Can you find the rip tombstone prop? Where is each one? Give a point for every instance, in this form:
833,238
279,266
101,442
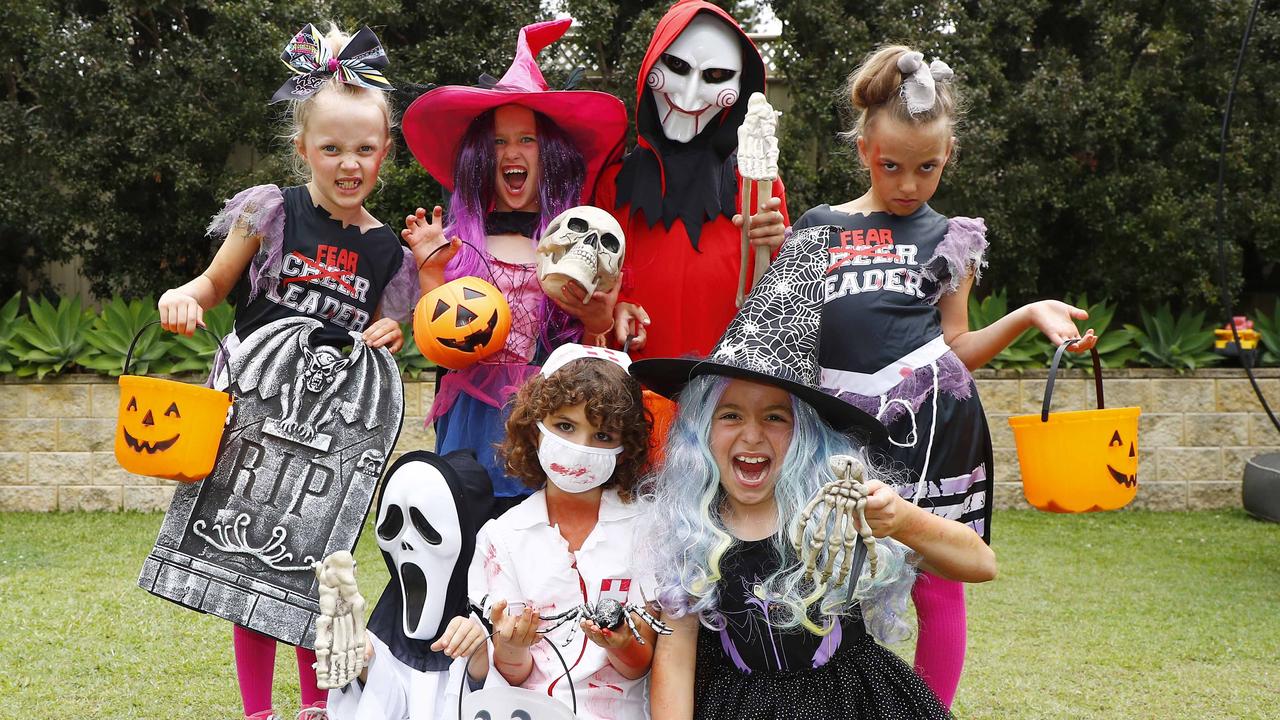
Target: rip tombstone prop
293,482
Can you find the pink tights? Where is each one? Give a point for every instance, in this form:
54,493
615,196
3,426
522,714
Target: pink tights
255,665
940,638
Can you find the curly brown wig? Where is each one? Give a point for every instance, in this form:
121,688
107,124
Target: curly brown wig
614,405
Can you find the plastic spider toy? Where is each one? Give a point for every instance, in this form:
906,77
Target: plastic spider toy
607,613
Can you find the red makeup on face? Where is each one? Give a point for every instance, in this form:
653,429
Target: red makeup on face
906,162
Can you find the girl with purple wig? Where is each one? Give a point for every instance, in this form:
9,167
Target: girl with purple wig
513,156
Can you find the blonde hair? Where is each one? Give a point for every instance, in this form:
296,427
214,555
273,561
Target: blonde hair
875,87
299,111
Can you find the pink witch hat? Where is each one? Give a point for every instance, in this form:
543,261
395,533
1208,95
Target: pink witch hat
596,122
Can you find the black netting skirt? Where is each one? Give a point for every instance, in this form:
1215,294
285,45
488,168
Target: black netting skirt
864,681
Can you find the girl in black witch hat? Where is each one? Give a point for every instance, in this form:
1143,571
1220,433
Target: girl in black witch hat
755,635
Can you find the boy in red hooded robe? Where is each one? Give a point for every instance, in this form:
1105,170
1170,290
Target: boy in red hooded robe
676,193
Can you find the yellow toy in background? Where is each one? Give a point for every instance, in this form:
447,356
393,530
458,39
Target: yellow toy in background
1225,344
1079,461
168,429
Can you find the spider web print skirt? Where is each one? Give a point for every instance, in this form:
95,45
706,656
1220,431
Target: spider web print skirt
862,682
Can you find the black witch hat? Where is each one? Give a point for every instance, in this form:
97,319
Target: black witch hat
773,339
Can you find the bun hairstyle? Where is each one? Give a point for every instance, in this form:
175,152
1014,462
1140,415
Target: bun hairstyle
299,110
877,86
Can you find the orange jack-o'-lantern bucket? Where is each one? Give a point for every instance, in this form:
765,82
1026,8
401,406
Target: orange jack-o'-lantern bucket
169,429
1078,461
461,322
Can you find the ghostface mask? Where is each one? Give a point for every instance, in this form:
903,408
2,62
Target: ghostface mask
418,528
697,76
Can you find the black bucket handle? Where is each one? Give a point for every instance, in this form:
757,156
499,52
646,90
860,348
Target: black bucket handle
573,693
1053,372
128,358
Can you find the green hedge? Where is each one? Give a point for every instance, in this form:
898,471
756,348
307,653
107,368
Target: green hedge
1090,145
47,338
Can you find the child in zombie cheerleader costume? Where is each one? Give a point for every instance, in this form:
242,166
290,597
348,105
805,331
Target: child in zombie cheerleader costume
578,435
756,633
899,272
312,250
514,155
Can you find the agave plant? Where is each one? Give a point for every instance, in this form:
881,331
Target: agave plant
8,325
50,338
1026,351
114,330
1116,346
412,363
1269,335
1182,343
196,353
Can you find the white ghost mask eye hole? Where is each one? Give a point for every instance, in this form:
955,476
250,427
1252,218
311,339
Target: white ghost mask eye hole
392,524
430,534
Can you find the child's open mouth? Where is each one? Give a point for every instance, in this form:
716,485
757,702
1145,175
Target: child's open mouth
514,178
349,184
751,469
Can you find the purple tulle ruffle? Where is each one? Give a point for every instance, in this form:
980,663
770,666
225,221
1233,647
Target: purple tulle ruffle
953,379
961,251
260,210
401,294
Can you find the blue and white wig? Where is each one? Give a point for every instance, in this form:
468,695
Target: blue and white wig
685,537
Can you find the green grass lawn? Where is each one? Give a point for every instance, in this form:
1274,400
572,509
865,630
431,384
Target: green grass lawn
1115,615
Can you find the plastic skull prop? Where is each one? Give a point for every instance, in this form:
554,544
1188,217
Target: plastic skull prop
418,527
583,244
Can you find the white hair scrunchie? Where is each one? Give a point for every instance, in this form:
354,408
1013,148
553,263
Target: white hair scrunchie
918,89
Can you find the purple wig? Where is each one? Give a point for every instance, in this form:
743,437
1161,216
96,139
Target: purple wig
563,174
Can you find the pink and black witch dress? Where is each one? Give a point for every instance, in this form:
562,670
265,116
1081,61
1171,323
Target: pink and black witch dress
882,349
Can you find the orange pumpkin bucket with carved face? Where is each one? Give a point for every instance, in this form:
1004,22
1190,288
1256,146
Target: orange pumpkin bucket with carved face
1078,461
169,429
461,322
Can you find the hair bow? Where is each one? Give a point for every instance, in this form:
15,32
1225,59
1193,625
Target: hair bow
360,63
918,89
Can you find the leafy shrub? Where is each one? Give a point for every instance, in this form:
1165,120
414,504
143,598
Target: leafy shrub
50,338
1182,343
8,325
196,353
1026,351
1116,347
410,360
1268,328
113,331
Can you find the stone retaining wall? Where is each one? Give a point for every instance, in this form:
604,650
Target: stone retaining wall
1196,433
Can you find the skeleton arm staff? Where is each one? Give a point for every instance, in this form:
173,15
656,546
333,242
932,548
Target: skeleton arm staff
758,167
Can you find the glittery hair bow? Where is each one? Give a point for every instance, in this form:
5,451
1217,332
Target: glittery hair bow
360,63
919,89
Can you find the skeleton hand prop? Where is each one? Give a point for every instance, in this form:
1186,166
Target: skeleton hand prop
758,166
835,526
340,638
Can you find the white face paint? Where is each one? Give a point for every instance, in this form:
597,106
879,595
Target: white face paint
418,527
696,77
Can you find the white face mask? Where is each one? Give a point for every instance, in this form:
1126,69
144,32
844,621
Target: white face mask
697,76
572,467
418,527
